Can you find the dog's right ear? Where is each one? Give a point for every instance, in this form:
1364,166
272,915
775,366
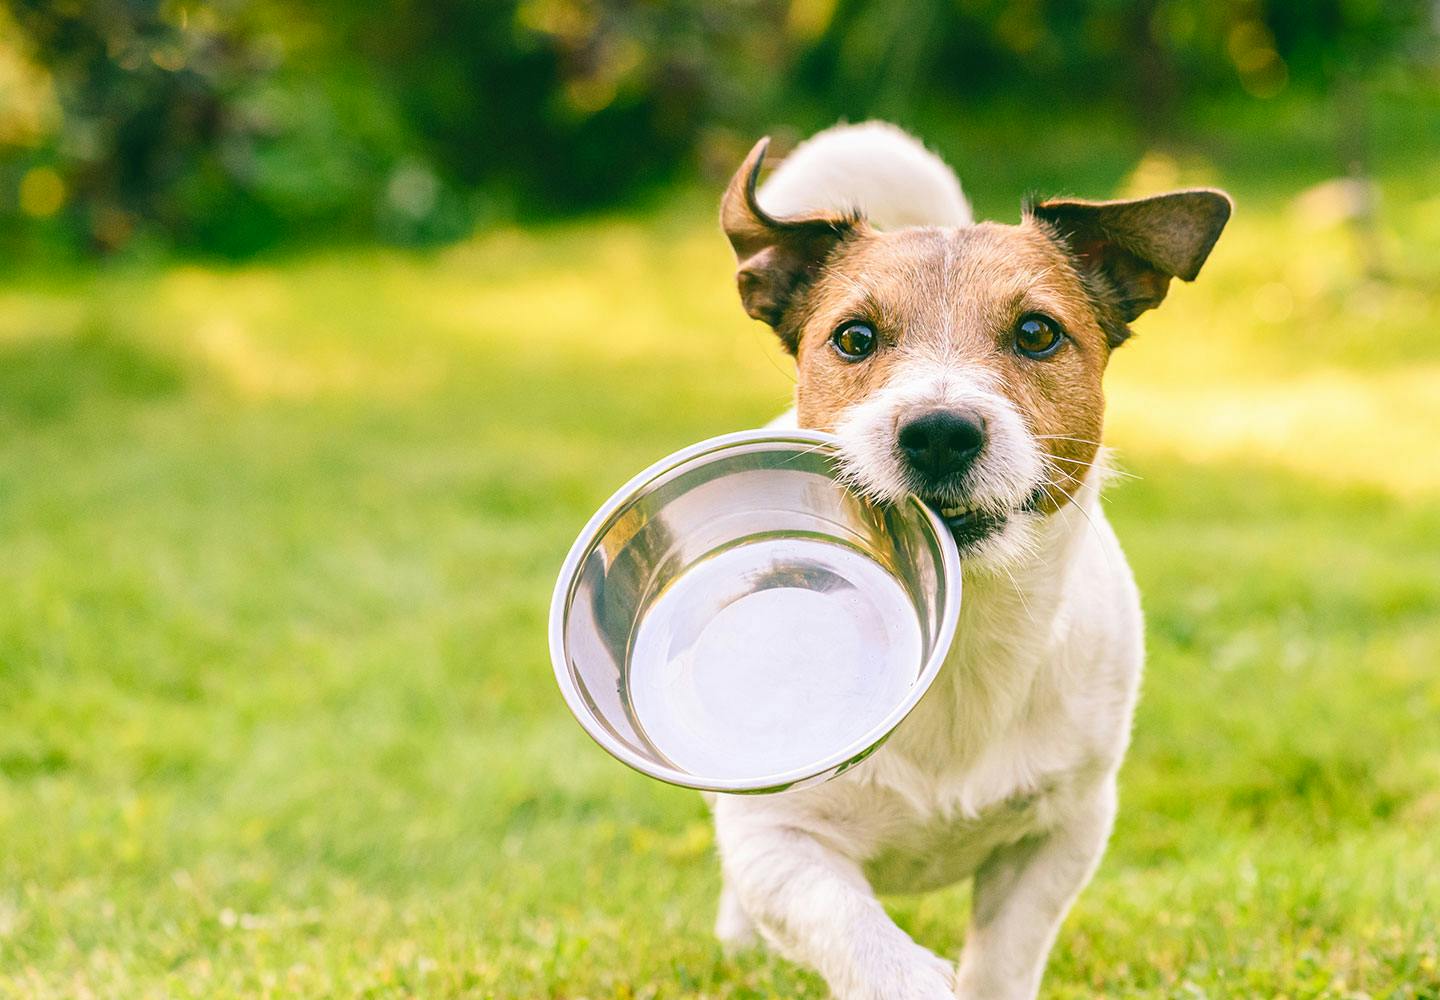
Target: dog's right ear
777,258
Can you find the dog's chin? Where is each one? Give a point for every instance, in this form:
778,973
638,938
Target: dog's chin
986,533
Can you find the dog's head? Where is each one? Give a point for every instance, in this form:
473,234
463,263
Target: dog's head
964,364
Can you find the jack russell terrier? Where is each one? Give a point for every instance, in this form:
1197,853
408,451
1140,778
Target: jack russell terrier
960,361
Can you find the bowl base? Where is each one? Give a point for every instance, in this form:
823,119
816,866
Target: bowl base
769,654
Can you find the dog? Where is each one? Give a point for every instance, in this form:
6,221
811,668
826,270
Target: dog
961,362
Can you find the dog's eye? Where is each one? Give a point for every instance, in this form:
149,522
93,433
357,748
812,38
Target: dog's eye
1038,336
854,340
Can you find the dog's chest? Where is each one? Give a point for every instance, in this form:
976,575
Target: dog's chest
927,853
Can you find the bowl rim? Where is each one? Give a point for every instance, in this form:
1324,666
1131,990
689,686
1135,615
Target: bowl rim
861,746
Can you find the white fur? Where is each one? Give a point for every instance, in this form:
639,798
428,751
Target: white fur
1006,769
873,166
1002,476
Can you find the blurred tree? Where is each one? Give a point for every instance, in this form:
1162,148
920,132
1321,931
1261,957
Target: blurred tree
146,110
557,103
228,125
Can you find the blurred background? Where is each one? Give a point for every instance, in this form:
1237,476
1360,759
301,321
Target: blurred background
232,128
324,326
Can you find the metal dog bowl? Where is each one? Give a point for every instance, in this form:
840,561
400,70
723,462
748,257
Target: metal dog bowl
736,620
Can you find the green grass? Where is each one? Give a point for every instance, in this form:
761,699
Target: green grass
276,544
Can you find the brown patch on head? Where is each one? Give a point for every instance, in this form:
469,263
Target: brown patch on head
953,297
951,300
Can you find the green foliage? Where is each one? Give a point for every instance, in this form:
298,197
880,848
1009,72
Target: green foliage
229,127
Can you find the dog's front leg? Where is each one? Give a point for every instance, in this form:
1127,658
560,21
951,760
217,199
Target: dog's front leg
1022,892
813,903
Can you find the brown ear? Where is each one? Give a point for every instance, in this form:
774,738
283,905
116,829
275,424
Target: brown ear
1129,250
778,258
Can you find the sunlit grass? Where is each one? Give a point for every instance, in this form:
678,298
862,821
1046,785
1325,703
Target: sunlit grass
278,541
1284,351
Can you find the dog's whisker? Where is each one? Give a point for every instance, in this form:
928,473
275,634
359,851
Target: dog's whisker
820,446
1020,593
1066,437
1094,528
788,373
1109,470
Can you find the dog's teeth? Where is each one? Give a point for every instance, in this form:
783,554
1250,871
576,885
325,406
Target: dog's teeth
955,511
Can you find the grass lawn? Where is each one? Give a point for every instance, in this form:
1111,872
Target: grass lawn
277,541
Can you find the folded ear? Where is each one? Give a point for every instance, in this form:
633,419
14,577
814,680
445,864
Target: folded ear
778,258
1129,250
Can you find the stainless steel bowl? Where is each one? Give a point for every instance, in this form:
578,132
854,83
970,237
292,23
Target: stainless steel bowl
736,620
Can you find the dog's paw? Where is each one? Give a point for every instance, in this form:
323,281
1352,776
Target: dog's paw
911,974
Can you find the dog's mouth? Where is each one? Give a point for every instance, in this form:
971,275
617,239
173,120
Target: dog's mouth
972,523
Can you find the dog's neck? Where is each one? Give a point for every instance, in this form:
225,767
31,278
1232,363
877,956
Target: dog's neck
1010,618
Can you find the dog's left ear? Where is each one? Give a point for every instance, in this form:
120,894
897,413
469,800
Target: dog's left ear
1135,247
777,258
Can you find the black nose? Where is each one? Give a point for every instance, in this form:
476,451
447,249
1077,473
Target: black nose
942,442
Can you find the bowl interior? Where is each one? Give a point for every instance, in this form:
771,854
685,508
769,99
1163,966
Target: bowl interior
735,619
